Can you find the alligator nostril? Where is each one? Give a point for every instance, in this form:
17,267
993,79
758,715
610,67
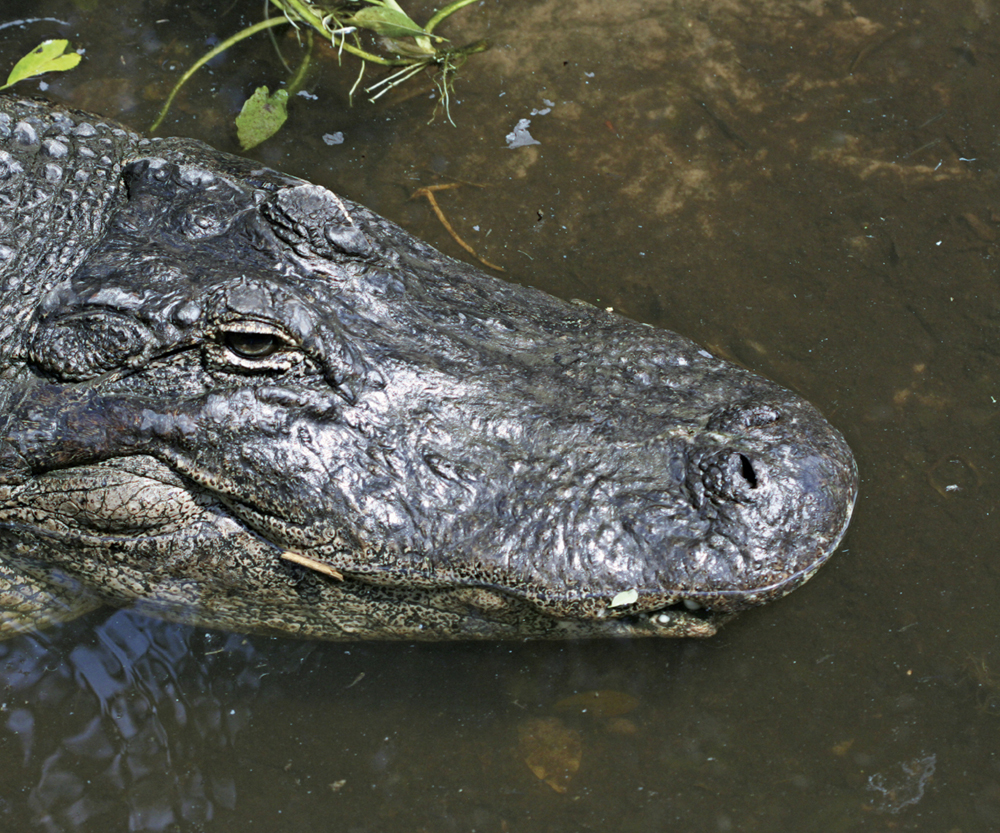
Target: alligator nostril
746,469
730,474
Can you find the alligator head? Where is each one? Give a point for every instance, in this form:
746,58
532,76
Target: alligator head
243,401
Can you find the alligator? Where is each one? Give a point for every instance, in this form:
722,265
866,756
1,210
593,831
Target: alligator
232,398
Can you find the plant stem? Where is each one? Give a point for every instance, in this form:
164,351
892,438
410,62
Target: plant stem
450,9
222,47
300,74
308,16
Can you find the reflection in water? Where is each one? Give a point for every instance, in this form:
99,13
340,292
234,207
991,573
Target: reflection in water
146,712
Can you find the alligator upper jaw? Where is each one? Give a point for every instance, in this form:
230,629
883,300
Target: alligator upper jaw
727,518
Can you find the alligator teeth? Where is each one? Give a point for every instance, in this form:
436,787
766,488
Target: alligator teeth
625,597
666,617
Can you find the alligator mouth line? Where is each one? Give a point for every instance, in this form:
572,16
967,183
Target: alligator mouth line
685,607
677,618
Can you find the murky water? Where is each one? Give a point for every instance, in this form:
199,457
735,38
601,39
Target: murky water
809,188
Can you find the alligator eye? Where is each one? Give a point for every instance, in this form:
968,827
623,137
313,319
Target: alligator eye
250,345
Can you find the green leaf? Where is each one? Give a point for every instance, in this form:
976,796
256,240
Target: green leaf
261,117
388,4
46,57
393,23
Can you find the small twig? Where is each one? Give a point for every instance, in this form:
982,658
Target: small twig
428,191
312,564
724,128
868,49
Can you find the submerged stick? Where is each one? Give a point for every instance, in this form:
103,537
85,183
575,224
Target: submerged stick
428,191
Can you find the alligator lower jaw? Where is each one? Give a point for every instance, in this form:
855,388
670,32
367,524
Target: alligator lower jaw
188,601
673,621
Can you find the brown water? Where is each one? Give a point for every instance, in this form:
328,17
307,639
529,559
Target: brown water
809,188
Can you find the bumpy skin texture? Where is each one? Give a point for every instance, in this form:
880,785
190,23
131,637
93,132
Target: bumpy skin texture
209,368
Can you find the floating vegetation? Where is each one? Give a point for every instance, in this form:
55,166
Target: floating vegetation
261,116
48,56
403,44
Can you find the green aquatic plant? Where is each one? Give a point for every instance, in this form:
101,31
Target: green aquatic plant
406,45
48,56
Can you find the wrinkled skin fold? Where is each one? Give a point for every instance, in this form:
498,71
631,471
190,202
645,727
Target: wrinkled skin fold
234,398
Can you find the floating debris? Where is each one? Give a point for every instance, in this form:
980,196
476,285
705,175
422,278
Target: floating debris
519,137
906,791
